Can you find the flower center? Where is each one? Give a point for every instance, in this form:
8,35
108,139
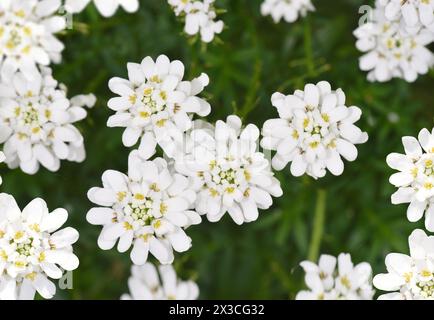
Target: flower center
429,167
24,249
224,177
140,212
153,100
16,34
30,115
426,288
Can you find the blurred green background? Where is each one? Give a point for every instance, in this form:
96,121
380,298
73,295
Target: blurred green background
254,58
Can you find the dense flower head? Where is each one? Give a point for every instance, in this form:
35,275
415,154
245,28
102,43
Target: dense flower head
414,13
415,178
27,29
32,249
155,104
200,17
411,277
106,7
337,279
391,51
148,283
314,129
227,171
36,123
147,209
289,10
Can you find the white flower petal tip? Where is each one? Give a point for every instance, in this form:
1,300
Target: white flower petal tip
105,7
289,11
337,279
314,131
149,283
32,249
409,277
415,177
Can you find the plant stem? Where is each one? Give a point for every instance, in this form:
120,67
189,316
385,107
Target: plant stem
318,225
308,48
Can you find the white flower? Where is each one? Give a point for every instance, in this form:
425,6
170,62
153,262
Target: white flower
36,123
145,284
347,282
314,130
200,17
416,177
106,7
31,250
155,103
392,52
412,12
147,209
227,171
27,29
289,10
410,276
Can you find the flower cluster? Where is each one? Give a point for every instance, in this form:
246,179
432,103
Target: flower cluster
36,123
411,277
155,104
313,131
346,282
415,178
32,249
227,172
413,13
392,51
287,10
200,18
27,40
145,284
107,8
148,209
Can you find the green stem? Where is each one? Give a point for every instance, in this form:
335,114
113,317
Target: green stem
308,48
318,225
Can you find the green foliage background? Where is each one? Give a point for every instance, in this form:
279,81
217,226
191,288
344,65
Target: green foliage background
254,58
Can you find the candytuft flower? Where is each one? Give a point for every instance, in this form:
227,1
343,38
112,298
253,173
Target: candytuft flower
410,276
416,177
200,18
148,209
32,249
106,7
314,130
145,284
287,10
227,171
414,13
346,282
391,51
27,40
36,123
155,104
